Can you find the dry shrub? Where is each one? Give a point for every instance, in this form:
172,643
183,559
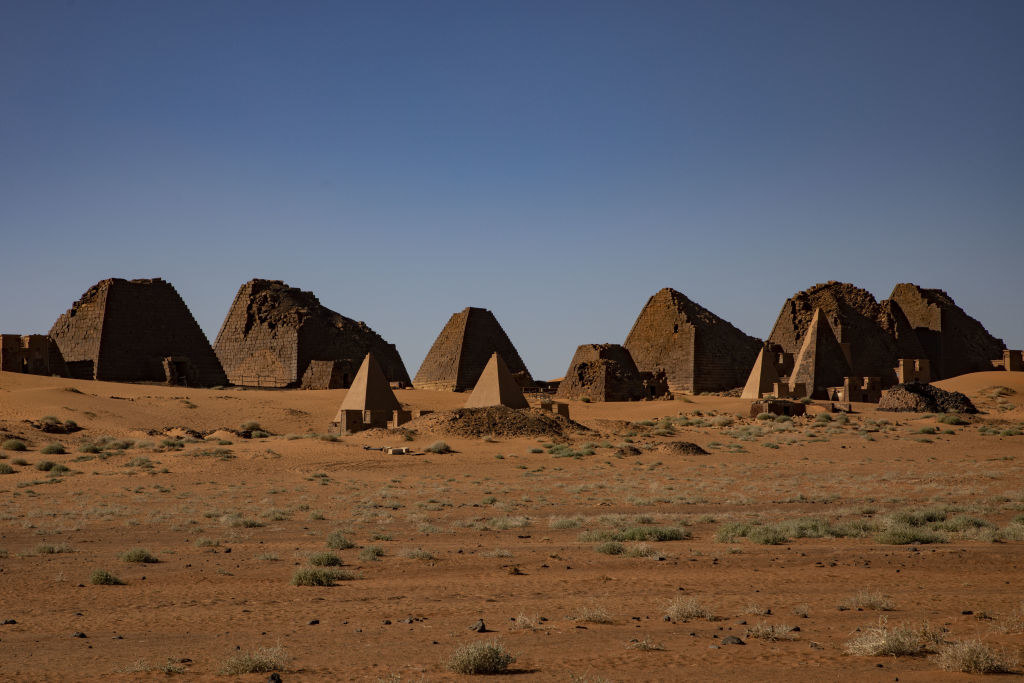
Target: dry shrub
685,609
486,658
865,599
593,614
259,661
974,657
898,641
762,630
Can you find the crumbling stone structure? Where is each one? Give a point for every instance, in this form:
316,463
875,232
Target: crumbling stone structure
952,341
697,350
914,323
857,390
496,387
763,376
913,370
135,331
777,406
1012,361
605,372
32,354
462,350
273,332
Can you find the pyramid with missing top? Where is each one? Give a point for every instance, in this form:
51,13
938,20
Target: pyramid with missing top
370,390
762,378
821,362
496,387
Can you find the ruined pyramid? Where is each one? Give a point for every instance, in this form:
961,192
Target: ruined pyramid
762,377
272,332
602,372
697,350
821,362
496,387
463,348
135,331
953,342
370,390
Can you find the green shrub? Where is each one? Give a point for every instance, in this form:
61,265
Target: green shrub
317,576
325,560
6,469
481,659
611,548
52,449
371,553
905,534
438,447
952,419
337,541
13,445
45,465
767,534
101,577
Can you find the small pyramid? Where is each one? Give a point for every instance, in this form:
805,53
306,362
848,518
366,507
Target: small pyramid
370,389
762,377
496,387
821,362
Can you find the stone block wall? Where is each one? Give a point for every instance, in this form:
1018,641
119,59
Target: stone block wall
273,332
127,328
696,349
461,351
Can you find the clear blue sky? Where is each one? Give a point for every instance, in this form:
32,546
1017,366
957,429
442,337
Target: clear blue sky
556,162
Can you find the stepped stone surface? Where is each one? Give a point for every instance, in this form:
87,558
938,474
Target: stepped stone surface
125,330
463,348
697,350
954,342
602,372
274,331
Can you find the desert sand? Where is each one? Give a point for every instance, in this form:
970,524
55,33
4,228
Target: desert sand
504,530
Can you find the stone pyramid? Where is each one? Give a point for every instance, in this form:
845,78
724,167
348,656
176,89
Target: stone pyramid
602,372
820,362
762,377
461,351
135,331
952,341
696,349
273,332
370,389
496,387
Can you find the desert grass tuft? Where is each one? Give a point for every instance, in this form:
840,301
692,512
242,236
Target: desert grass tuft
974,657
139,555
685,609
260,661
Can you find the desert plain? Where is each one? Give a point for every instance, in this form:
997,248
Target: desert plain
604,554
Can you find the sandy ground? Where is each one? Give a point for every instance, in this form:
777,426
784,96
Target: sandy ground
496,531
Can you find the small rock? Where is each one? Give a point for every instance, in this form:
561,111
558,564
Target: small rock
479,627
666,618
732,640
78,634
387,622
817,646
314,622
795,629
274,678
7,622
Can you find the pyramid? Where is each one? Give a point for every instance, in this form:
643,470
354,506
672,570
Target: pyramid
697,350
462,349
762,377
370,389
820,362
952,341
135,331
602,372
273,333
496,387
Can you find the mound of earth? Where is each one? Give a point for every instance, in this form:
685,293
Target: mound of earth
682,448
925,398
495,421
